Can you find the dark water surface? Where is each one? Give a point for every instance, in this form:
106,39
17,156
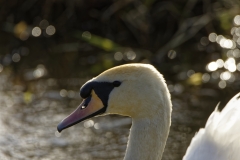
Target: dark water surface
29,117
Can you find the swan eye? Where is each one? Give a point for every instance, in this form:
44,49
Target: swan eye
116,83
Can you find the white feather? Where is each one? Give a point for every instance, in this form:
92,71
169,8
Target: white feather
220,139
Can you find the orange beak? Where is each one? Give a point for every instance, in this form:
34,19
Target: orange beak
89,107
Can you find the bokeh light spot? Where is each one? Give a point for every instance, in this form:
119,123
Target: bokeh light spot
233,45
220,63
24,35
235,37
205,77
63,93
237,19
204,41
225,75
212,37
222,84
71,94
236,53
89,123
233,30
232,78
20,30
226,43
238,40
230,53
178,88
232,67
43,24
170,87
118,56
16,57
219,38
230,64
36,31
215,75
238,66
39,71
50,30
130,55
96,126
212,66
237,31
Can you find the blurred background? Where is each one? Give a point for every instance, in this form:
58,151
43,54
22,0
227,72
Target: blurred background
49,48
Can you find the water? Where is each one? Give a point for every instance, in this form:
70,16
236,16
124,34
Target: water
29,117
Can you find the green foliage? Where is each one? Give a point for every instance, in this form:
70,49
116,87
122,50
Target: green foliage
103,43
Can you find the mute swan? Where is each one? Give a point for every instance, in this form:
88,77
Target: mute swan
140,92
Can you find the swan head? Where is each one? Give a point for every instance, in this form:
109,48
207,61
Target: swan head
134,90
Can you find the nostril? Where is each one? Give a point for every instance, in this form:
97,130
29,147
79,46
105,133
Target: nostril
83,107
86,102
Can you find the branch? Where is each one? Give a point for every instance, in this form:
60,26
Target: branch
185,32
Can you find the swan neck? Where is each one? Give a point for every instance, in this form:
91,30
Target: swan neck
147,138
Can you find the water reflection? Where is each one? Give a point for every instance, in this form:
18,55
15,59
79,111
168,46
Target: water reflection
224,69
233,53
28,125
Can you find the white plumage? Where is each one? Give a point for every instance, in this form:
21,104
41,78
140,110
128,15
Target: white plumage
220,139
143,96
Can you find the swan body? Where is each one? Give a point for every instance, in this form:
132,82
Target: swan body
220,139
140,92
